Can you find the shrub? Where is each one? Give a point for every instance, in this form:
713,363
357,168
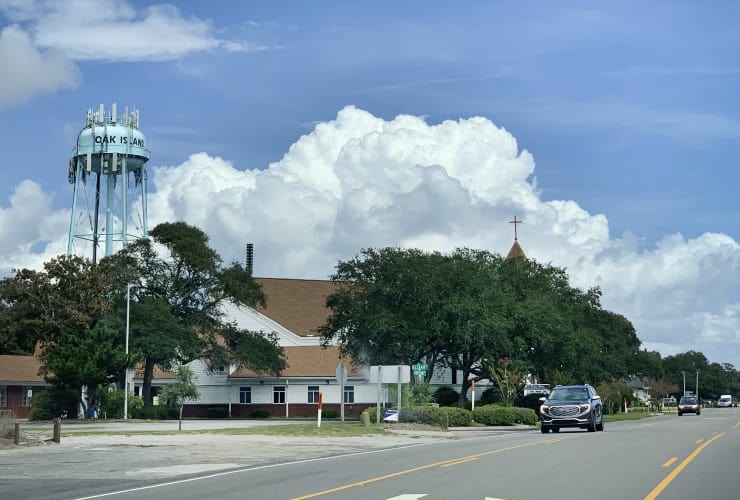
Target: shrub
111,403
490,395
372,412
458,417
330,413
531,401
526,416
160,412
41,407
261,413
217,412
446,396
52,402
428,415
411,394
493,415
504,415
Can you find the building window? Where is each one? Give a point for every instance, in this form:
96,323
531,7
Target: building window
3,396
349,393
26,393
313,393
245,395
278,394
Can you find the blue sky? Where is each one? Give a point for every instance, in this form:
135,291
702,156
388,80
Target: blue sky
629,109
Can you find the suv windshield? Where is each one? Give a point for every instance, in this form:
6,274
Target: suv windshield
688,401
563,393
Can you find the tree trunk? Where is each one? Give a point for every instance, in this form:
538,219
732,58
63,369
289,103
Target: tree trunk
91,393
465,383
82,403
179,424
146,391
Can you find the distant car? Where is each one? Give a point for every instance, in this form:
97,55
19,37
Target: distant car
725,401
688,404
572,406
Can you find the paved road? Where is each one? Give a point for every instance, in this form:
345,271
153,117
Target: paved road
666,457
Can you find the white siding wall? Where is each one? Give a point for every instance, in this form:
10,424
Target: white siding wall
296,391
212,385
216,388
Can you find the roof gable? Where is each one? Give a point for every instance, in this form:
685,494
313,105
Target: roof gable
298,305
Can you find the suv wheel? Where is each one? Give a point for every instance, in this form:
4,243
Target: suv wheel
592,424
600,425
544,430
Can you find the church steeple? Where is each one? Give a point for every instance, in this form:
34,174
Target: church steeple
516,248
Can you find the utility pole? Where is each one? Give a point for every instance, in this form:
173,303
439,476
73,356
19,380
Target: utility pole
684,382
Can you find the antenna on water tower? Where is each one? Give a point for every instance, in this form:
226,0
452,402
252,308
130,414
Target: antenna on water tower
113,150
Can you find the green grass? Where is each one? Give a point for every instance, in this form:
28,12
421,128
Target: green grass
618,417
326,430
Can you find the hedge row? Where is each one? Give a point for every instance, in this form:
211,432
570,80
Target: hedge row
502,415
428,415
458,417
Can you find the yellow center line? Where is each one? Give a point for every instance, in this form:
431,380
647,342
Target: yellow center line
672,475
735,426
646,425
699,441
460,462
415,469
670,462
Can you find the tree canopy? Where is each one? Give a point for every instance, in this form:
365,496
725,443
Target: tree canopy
470,309
180,287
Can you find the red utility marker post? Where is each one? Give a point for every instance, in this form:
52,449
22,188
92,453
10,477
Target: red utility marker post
321,398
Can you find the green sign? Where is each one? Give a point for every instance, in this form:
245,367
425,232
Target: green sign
419,369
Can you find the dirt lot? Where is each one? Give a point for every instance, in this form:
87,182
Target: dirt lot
148,456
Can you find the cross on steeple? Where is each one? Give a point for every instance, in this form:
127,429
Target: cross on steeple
515,222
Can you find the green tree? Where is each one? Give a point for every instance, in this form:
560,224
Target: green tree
179,299
647,364
71,292
89,359
385,309
181,390
688,362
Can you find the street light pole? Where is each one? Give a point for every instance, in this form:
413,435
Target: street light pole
684,382
125,384
697,386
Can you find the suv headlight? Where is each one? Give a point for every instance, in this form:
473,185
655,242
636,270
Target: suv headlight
584,407
544,408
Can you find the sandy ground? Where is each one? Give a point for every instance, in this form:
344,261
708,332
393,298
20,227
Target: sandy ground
161,456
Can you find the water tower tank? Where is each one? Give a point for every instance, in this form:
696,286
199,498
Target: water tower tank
108,165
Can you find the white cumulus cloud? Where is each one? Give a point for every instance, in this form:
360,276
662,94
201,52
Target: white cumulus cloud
361,181
28,71
114,30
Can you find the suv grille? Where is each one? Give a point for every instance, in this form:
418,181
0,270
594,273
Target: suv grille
564,411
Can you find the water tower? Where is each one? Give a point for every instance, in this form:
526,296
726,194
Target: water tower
108,164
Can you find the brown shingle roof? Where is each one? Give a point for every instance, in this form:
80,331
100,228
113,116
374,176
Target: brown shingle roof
20,369
298,305
158,372
307,361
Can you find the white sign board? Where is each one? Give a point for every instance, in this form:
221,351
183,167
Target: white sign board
341,374
389,374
